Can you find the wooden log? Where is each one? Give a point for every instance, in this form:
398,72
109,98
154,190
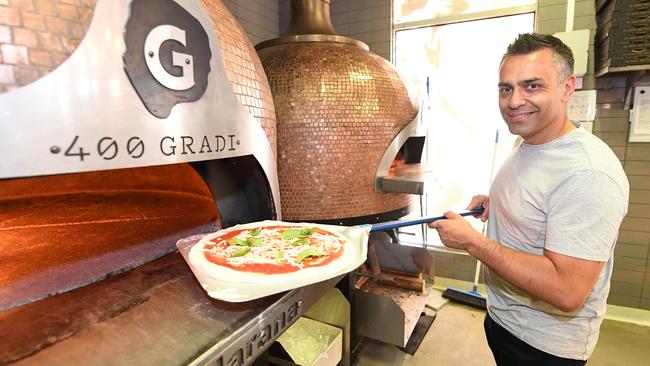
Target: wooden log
390,271
407,282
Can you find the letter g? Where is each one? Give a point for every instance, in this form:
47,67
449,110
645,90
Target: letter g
152,44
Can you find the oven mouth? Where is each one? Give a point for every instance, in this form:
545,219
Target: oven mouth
65,231
61,232
401,168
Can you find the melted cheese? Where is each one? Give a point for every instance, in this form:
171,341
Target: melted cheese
273,243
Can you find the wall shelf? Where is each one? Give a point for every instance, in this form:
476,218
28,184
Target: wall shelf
610,70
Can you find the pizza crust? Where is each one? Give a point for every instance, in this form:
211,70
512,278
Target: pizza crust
201,263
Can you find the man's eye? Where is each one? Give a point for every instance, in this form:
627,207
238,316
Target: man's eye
504,89
534,86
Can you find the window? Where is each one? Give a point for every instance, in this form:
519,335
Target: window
460,61
431,10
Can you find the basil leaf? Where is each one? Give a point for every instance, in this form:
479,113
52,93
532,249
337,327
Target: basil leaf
309,252
279,255
291,234
256,242
240,252
297,233
301,241
237,241
254,232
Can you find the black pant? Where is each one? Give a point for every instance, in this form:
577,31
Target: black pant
509,350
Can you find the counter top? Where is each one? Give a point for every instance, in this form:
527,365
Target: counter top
156,314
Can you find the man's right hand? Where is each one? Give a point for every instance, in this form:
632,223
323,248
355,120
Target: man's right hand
480,200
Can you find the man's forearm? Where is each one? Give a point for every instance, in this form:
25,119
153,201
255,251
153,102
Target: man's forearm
537,275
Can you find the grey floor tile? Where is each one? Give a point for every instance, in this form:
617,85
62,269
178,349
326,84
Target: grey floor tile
456,338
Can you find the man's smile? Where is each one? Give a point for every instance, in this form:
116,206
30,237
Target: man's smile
519,116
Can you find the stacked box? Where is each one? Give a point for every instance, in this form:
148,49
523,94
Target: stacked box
623,35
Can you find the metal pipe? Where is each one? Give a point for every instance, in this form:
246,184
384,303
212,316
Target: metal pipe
310,17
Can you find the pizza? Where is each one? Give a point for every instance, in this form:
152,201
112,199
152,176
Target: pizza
271,249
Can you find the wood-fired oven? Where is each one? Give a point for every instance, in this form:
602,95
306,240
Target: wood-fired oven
126,125
339,107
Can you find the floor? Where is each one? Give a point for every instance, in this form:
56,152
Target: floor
456,338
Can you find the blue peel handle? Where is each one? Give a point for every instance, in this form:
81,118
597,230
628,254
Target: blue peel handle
478,210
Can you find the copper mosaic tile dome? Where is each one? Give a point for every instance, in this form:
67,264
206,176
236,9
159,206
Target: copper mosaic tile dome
338,108
243,67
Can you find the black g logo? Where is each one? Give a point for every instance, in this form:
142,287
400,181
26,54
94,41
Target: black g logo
167,55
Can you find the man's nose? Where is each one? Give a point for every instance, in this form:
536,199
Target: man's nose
516,99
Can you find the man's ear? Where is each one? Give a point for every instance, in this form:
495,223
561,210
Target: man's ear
569,87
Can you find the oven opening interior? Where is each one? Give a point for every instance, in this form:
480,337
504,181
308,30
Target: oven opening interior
240,187
61,232
409,153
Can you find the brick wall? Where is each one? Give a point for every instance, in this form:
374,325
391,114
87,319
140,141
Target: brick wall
259,18
365,20
551,18
630,284
38,35
454,265
631,277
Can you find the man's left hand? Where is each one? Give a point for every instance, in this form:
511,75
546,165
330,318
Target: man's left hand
455,232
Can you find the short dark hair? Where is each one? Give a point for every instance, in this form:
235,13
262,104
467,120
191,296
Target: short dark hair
530,42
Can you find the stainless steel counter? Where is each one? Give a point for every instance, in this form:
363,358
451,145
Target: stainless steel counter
156,314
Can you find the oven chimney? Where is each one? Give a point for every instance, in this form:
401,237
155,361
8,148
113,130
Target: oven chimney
311,17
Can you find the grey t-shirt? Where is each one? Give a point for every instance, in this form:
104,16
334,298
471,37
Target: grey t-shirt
568,196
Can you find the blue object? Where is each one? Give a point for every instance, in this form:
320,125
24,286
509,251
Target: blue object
472,298
402,223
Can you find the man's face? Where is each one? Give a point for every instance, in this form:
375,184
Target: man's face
532,99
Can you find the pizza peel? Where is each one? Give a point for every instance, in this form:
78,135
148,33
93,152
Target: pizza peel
234,289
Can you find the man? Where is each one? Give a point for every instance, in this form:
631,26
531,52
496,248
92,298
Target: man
554,211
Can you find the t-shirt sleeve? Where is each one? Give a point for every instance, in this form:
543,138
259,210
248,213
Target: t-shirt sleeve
584,214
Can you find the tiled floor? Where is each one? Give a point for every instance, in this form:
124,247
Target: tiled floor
456,338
